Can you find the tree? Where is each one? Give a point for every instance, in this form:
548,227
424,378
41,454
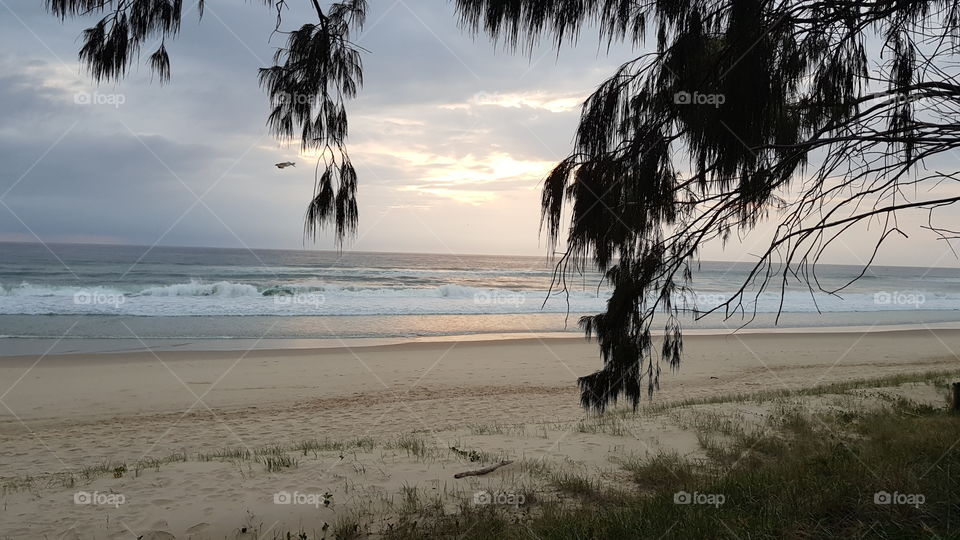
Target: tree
818,115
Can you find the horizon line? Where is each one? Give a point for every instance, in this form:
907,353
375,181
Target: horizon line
449,254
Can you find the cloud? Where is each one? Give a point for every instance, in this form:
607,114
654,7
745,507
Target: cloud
471,178
539,100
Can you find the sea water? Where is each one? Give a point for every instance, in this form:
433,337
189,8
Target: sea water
171,296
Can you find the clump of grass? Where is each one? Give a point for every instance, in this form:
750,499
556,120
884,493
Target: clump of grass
275,463
92,472
327,445
226,454
411,498
572,483
666,469
497,429
535,467
413,444
606,423
272,450
347,528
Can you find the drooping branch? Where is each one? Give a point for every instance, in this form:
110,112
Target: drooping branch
747,112
313,76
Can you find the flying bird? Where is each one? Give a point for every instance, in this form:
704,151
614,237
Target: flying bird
286,164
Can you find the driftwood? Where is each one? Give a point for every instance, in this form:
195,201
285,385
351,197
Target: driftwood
485,470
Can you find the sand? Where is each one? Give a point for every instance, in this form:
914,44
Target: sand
62,417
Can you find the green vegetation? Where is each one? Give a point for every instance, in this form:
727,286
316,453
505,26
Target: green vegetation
798,474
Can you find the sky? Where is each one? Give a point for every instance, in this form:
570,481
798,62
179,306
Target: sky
451,136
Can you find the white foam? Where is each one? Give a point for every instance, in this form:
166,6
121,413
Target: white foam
225,298
198,288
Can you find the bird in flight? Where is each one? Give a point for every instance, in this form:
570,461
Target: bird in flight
286,164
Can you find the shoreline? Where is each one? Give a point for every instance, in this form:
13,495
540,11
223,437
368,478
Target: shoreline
29,347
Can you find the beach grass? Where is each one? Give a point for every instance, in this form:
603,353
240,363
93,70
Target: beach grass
887,472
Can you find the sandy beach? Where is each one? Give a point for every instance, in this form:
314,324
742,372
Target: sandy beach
380,419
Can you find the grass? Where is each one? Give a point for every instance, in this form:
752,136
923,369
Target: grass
415,445
226,454
796,474
498,429
608,424
277,463
938,378
366,444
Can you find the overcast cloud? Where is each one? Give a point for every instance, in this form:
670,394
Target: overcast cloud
450,134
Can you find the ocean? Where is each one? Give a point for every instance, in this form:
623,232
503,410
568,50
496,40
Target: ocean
126,297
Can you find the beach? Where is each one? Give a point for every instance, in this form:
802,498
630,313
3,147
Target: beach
381,418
